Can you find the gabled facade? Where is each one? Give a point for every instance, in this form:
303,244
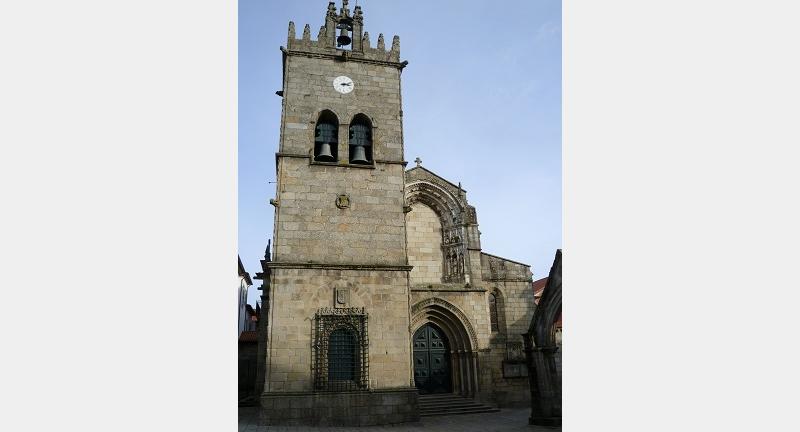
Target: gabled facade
480,303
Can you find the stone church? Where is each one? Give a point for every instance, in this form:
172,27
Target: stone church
376,290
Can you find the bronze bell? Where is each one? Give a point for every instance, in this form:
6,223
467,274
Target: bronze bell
343,39
325,154
359,155
325,136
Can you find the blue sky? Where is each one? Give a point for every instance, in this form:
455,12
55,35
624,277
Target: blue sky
481,106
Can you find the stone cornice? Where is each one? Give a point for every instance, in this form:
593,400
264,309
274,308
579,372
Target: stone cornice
350,56
306,156
446,288
506,259
501,279
363,267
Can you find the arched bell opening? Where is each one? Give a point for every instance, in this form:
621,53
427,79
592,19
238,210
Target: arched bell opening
326,137
461,343
360,141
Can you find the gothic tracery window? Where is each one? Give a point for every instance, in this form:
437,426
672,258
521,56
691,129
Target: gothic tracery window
493,312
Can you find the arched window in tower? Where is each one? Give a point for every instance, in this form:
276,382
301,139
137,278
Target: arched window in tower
493,312
342,356
361,140
326,137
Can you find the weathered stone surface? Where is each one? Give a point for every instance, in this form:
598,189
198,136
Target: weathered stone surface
340,409
424,232
405,268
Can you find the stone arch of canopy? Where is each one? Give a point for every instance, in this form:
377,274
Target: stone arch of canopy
446,206
450,211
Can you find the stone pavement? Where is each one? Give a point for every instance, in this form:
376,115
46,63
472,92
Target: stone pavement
506,420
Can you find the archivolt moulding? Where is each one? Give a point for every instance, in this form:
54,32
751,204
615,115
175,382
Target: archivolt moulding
418,309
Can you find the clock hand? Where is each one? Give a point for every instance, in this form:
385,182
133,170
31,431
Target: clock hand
345,84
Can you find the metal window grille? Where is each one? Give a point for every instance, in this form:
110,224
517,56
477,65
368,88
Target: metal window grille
341,355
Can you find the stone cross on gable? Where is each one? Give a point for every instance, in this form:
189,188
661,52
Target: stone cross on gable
418,162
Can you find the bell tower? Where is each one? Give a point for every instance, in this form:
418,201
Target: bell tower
338,326
340,162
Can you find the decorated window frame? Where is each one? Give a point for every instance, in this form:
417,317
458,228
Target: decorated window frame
326,322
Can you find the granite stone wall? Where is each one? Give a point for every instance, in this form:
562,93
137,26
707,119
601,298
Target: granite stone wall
341,408
424,231
310,227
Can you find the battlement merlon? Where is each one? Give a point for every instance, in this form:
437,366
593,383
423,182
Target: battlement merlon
326,46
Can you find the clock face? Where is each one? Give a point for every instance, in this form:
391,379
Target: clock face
343,84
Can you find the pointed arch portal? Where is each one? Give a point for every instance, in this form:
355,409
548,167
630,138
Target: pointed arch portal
438,322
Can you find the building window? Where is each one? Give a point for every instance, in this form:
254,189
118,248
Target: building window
360,140
341,356
493,312
326,137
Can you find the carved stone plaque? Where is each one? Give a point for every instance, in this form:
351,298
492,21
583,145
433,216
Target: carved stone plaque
343,201
514,369
342,297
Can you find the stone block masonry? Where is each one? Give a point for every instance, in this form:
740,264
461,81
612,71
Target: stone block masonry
340,409
424,232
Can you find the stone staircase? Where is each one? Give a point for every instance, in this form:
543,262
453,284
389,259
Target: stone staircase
450,404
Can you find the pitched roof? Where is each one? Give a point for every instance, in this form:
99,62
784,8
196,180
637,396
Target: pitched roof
243,273
538,286
437,176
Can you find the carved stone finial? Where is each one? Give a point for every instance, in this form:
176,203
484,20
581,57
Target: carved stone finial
381,45
396,43
307,33
418,161
292,33
331,13
365,40
321,35
358,16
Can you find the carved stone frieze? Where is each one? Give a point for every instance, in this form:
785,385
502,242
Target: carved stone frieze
342,311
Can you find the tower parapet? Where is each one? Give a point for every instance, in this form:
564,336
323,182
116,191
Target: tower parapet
351,42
